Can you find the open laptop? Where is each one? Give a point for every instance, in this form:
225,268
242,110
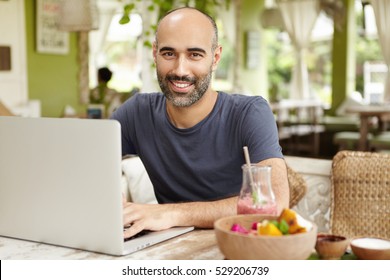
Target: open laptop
60,184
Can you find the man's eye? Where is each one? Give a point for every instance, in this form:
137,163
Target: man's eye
196,55
168,54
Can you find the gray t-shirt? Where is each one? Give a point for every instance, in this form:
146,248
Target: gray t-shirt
201,163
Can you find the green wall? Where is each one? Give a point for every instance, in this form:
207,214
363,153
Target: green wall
255,80
52,79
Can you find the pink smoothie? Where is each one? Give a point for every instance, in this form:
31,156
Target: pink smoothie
245,206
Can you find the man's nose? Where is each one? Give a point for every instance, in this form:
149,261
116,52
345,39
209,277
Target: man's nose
181,67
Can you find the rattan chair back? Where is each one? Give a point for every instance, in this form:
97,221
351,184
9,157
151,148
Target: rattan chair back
298,186
360,202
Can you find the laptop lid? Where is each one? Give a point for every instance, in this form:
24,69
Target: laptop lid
60,183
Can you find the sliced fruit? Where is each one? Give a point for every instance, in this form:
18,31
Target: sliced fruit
291,219
268,229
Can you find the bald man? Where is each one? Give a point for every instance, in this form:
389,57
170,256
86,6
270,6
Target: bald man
190,137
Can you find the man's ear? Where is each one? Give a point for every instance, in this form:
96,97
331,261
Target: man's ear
217,57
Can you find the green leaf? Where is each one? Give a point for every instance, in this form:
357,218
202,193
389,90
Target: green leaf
151,8
128,8
148,44
283,227
255,198
124,19
166,6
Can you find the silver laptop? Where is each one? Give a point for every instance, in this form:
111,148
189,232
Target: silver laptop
60,184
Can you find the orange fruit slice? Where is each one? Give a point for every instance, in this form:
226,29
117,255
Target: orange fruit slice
291,218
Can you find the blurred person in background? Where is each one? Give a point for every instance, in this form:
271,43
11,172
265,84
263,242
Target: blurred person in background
104,95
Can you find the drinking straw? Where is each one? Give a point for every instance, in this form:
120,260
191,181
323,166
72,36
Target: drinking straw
255,196
248,163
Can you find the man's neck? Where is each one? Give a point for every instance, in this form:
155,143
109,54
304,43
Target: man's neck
186,117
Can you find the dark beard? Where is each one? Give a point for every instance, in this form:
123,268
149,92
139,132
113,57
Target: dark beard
184,100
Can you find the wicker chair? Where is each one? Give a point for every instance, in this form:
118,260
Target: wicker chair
360,204
298,186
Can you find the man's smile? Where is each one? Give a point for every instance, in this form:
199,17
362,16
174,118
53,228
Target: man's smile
179,86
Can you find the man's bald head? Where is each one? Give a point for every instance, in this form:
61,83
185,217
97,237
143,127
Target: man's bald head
189,15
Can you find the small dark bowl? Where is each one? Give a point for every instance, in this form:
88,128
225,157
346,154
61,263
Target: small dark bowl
330,246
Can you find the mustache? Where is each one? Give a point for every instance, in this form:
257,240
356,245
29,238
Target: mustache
180,78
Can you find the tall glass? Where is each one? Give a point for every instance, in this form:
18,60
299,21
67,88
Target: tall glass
256,195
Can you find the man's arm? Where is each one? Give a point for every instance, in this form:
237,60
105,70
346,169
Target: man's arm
163,216
198,214
279,182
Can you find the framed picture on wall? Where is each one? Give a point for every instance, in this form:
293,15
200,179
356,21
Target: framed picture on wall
49,39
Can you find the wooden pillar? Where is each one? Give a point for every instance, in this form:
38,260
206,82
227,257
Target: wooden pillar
344,61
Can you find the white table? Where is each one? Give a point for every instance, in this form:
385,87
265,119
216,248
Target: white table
198,244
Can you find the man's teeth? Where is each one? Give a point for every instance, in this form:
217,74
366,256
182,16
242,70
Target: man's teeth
181,85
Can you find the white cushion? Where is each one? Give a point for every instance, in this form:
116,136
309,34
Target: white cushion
136,184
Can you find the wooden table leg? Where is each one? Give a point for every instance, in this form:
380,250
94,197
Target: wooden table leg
363,144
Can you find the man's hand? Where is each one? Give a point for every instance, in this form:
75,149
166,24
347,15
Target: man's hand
137,217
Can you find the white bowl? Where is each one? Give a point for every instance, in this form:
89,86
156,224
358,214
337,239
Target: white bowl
368,248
